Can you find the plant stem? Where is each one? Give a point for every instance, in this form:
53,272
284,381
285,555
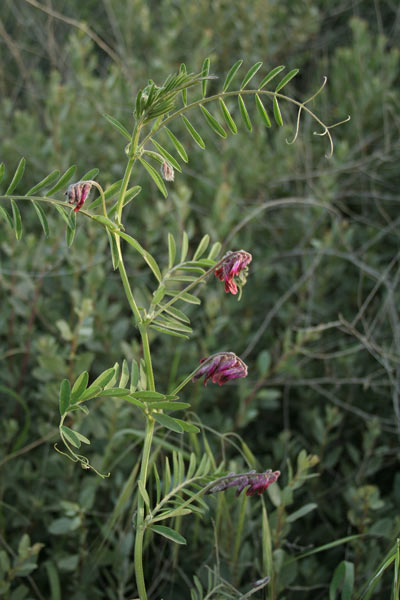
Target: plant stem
140,529
126,284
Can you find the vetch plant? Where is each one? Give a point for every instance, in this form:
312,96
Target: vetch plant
153,146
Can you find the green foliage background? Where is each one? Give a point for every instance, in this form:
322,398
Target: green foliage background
318,324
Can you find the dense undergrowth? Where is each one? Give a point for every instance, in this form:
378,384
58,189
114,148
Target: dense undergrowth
318,324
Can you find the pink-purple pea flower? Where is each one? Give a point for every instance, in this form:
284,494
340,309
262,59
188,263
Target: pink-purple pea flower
77,193
234,265
256,483
221,367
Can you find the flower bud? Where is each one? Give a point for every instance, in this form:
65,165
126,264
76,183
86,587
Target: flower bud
77,193
234,265
221,367
167,171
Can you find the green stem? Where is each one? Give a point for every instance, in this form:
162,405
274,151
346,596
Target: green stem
140,529
184,382
126,284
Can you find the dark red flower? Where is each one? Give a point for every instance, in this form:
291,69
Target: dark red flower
221,367
77,193
257,482
234,265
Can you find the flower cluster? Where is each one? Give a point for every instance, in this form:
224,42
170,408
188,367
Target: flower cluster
257,482
234,264
77,193
221,367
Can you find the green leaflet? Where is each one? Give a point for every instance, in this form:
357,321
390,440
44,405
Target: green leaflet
227,116
270,76
17,176
250,74
155,176
231,74
118,126
244,113
168,533
45,182
179,147
69,173
277,112
213,123
195,135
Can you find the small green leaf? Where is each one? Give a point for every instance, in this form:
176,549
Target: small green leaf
215,250
148,395
185,246
103,379
343,577
262,111
161,329
250,74
143,493
17,176
168,157
301,512
146,255
244,113
277,112
231,74
118,126
65,396
270,76
82,438
92,174
155,176
179,147
202,247
178,314
71,436
171,323
71,229
195,135
113,249
134,376
2,171
17,220
286,79
79,386
42,217
45,182
62,212
168,405
171,250
69,173
182,69
168,533
105,221
6,217
213,123
168,422
124,374
188,427
205,69
158,295
227,116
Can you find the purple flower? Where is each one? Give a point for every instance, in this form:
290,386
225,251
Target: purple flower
234,264
257,482
77,193
221,367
